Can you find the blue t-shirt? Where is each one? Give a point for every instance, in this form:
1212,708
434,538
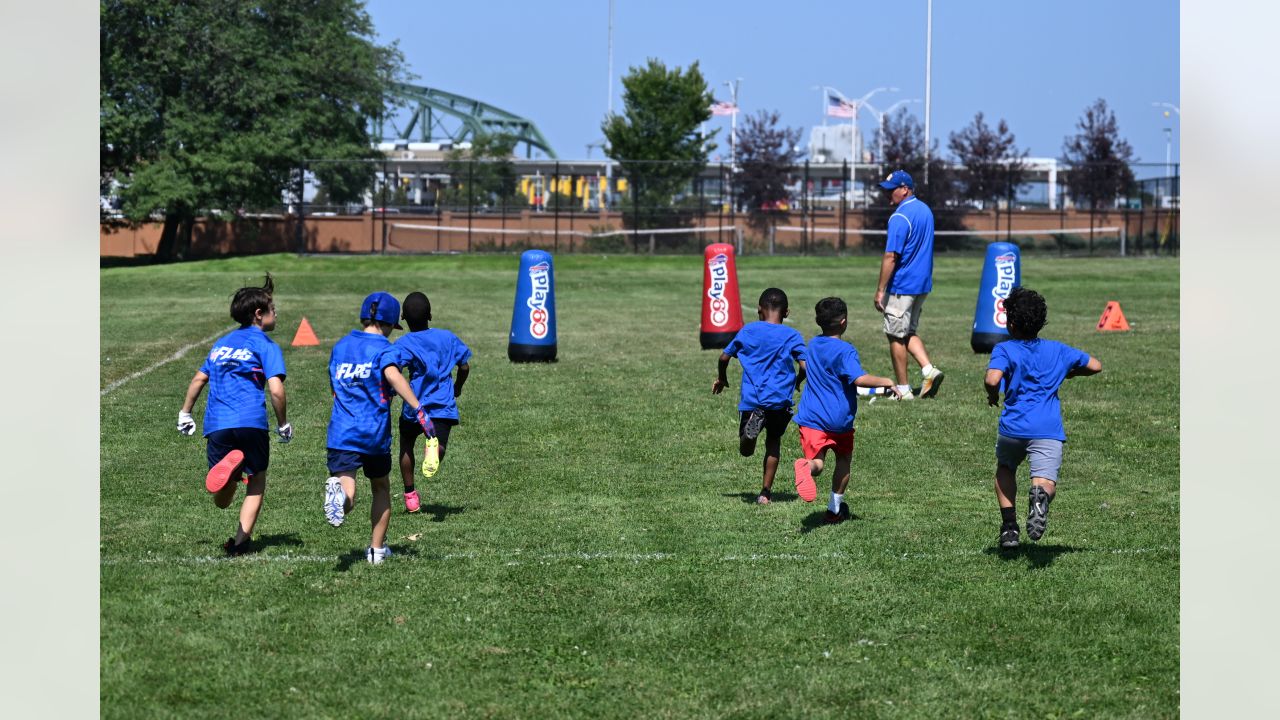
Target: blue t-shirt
361,417
1033,372
768,352
238,367
911,236
430,356
830,399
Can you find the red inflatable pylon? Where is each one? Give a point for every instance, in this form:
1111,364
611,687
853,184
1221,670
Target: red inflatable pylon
721,305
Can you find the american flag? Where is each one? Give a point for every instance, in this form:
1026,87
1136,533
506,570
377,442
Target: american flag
839,107
724,108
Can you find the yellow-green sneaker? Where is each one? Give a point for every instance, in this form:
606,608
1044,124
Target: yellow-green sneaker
431,459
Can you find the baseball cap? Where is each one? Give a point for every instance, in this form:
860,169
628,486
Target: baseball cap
897,179
387,311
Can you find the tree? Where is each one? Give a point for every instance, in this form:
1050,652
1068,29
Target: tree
904,150
765,153
993,167
1099,160
655,140
217,103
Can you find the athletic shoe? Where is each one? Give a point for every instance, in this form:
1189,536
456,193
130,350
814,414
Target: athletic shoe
411,502
334,500
1008,536
931,383
908,395
805,488
764,498
755,423
1037,512
375,556
222,472
233,550
431,459
835,518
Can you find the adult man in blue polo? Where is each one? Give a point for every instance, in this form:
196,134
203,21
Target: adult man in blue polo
906,278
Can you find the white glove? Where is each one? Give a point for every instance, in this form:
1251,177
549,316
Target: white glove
186,423
285,432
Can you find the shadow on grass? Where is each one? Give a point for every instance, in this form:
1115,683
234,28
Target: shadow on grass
813,521
440,512
1036,555
356,557
265,541
750,497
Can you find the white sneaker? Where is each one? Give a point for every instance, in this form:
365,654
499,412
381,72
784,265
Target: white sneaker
334,500
932,381
375,556
908,395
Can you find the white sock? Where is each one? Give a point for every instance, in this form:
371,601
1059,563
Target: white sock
904,389
836,499
926,369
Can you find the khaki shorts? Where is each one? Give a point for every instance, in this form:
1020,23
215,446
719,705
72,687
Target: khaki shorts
902,314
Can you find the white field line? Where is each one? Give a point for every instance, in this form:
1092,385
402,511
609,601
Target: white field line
519,557
176,356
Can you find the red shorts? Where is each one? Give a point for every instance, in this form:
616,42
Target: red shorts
814,441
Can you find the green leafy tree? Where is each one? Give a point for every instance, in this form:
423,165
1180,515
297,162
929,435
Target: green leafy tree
992,167
903,137
483,175
1099,160
217,103
656,140
765,152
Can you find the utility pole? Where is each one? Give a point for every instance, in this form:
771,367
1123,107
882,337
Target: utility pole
928,78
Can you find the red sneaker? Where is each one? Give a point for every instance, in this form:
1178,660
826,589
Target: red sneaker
221,473
805,488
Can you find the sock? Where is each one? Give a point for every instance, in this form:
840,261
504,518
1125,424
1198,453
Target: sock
1008,516
926,369
904,389
408,488
836,499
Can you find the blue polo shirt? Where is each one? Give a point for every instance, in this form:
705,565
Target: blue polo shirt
830,399
430,356
768,353
1033,372
238,367
361,417
911,236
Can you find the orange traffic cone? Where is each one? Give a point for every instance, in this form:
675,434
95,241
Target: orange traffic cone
1113,318
305,335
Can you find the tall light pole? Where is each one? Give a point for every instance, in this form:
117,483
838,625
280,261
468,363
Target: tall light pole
1168,140
880,116
608,162
733,124
928,89
853,129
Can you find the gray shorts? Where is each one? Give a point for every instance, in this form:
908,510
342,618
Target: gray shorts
902,314
1046,455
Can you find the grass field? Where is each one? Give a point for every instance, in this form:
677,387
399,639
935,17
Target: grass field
590,547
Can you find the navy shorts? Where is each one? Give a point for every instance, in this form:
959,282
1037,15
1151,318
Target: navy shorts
253,442
410,431
350,460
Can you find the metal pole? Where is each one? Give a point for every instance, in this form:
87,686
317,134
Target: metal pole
384,205
928,89
555,198
853,148
301,232
471,200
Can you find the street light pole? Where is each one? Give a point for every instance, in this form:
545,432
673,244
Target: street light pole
853,130
733,124
880,116
928,90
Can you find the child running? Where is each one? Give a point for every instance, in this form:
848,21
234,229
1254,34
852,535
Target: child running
240,366
829,405
768,351
1031,370
430,355
362,370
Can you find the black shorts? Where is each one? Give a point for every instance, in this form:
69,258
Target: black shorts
253,442
775,421
350,460
410,431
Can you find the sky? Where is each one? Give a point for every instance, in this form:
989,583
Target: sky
1037,64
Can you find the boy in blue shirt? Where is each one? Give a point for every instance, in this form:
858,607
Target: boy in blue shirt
240,366
829,404
1031,371
430,355
767,350
362,372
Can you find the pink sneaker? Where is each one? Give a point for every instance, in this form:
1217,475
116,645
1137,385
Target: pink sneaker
221,473
805,488
411,502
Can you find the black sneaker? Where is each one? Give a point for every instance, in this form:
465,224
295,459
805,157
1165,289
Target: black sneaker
1037,512
1008,536
233,550
755,423
835,518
